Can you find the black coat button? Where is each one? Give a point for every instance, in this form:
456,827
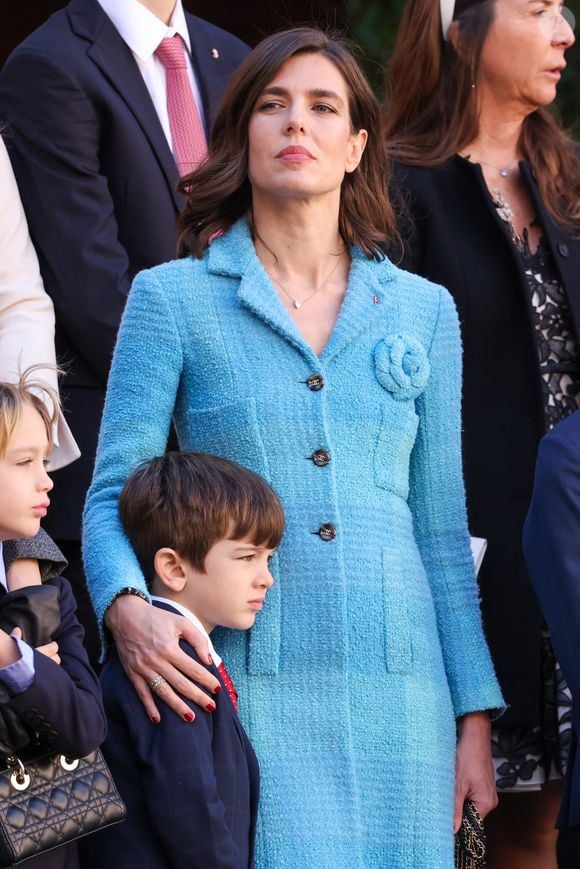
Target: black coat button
315,382
321,458
327,532
563,249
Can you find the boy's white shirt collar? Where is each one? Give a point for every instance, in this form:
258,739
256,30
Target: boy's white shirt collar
141,29
194,620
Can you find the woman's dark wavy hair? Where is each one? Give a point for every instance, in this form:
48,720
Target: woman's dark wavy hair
431,110
219,192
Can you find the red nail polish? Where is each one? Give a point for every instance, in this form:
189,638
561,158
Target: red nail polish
155,719
210,707
189,716
217,689
210,659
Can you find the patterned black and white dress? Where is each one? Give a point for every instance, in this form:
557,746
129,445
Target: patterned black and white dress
524,758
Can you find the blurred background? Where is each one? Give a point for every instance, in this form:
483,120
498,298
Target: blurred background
370,23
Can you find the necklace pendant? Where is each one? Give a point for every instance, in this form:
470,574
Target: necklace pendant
297,303
504,173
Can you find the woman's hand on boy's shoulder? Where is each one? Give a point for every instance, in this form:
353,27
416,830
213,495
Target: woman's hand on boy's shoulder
147,640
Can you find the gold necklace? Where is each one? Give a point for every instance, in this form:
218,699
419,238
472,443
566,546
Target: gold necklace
299,302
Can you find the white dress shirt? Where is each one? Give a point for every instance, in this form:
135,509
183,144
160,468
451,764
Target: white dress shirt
143,32
194,620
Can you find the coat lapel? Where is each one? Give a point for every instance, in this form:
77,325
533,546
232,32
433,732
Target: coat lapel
115,61
364,302
563,248
233,254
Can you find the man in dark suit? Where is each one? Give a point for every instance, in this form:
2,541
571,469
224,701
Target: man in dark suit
552,553
90,142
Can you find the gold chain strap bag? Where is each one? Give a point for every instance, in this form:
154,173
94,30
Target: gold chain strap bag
470,839
51,800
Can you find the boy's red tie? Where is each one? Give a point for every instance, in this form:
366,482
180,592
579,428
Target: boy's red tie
230,687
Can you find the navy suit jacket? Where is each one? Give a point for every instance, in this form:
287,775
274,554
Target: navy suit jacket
97,179
191,790
552,553
63,705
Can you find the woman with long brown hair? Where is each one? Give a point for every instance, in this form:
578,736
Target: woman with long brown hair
490,189
286,340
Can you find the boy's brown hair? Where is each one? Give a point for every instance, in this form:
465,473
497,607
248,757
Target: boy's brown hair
13,399
188,501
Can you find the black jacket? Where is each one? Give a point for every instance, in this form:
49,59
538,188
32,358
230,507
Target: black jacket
454,237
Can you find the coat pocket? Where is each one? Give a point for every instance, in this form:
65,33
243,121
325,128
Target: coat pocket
231,431
395,441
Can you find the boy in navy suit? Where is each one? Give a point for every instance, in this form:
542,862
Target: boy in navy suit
203,529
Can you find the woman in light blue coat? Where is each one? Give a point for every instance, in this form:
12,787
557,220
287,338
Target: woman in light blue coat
289,342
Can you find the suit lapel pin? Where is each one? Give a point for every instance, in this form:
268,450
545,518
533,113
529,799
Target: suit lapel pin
215,53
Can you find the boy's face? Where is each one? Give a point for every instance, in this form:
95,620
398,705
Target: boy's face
24,483
233,589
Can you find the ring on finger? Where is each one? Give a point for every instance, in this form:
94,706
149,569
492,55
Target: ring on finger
156,682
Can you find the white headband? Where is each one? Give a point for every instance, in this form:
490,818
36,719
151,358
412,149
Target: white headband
447,8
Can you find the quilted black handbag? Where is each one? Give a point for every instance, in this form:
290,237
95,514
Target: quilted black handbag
470,839
48,801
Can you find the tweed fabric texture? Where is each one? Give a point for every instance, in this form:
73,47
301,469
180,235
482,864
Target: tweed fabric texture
370,643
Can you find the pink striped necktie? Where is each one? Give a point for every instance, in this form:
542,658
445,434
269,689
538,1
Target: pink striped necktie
187,133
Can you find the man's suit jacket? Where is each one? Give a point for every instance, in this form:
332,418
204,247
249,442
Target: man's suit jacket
191,790
552,553
97,179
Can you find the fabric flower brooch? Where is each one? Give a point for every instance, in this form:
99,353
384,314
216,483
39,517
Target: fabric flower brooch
402,366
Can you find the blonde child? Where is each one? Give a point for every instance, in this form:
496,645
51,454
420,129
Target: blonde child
49,694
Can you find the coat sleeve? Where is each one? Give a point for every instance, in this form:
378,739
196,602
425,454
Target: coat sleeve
53,134
437,500
64,702
141,396
26,311
552,545
184,809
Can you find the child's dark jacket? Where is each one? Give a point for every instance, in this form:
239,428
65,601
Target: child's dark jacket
63,703
191,790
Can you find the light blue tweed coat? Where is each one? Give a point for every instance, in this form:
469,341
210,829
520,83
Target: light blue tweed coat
371,643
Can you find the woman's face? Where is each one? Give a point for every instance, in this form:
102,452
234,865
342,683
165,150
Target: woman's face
523,55
300,139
